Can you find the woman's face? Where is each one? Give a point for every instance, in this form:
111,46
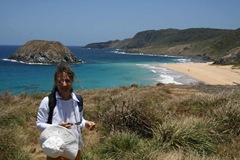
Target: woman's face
64,85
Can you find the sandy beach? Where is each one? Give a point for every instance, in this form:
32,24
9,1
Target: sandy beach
208,73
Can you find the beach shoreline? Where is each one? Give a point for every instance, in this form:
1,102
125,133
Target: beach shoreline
207,72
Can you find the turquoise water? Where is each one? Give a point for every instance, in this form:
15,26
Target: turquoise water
102,68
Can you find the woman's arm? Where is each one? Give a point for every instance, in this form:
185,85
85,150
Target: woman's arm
42,116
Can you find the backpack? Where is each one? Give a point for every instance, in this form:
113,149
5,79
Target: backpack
52,104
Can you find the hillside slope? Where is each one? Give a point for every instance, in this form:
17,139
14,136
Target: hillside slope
158,122
207,43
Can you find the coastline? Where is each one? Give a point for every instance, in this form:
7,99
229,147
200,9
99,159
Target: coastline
207,72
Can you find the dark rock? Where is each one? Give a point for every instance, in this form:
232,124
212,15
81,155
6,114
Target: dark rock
46,52
233,57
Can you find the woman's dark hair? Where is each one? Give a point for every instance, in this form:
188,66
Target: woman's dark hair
63,67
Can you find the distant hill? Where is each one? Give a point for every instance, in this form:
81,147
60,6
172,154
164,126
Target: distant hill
41,51
206,43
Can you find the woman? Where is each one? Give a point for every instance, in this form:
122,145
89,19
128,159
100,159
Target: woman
66,112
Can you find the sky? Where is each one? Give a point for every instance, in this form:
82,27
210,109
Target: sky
80,22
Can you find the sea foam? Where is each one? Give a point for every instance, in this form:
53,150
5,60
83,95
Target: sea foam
30,63
166,76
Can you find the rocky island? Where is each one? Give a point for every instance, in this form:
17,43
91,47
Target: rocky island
44,52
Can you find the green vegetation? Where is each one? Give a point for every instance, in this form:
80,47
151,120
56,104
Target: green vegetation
153,122
207,43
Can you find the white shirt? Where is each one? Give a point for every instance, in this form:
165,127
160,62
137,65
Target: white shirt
64,111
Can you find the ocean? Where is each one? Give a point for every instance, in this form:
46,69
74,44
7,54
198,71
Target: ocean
102,68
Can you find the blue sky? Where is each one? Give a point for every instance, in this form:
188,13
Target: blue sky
79,22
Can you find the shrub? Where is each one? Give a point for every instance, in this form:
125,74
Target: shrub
121,145
228,116
199,137
130,115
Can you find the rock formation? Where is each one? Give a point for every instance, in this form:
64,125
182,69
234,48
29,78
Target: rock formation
46,52
233,57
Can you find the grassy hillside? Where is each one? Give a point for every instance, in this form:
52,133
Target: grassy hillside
197,42
153,122
170,37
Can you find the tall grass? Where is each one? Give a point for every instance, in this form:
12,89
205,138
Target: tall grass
17,124
162,122
199,138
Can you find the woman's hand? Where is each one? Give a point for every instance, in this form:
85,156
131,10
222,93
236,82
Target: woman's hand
90,125
66,125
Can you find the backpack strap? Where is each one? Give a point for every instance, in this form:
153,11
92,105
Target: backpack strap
52,104
80,103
